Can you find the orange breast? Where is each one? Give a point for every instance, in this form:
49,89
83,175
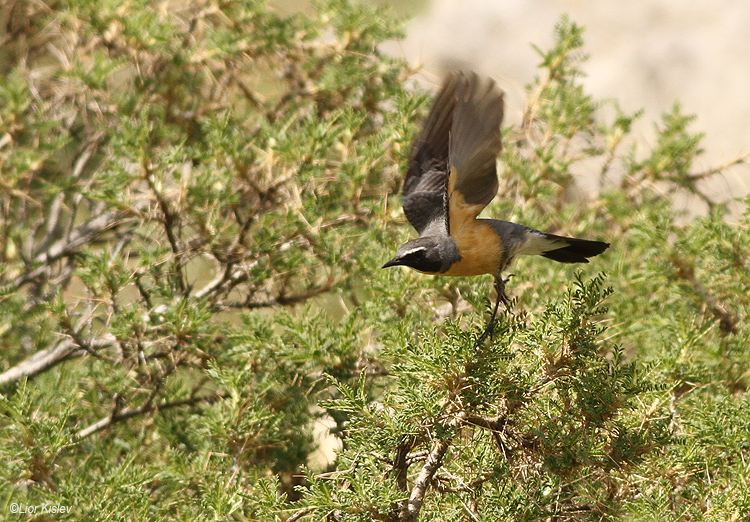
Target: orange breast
478,243
480,249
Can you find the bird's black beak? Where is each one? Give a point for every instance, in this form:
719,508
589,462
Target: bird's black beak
393,262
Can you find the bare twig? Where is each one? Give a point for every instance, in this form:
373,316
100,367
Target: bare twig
170,222
82,235
739,160
43,360
299,514
127,413
280,300
39,362
728,320
411,508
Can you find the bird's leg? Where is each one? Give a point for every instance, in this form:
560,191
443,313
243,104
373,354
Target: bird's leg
501,296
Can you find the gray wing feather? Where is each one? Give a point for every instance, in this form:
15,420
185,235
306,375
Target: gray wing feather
475,139
424,197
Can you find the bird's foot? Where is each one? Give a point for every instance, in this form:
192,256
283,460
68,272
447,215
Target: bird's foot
500,289
501,297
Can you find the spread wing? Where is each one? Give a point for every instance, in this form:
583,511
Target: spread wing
452,170
424,195
475,142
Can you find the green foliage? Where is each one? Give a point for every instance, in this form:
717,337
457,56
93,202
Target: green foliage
196,201
549,401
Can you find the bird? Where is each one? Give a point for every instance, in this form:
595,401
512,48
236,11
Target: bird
451,177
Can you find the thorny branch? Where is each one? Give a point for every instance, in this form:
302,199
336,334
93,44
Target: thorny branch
412,507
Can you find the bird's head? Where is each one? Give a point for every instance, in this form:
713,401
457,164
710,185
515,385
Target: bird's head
426,254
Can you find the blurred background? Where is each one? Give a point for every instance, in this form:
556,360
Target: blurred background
646,54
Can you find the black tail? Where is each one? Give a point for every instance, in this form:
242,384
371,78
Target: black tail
577,251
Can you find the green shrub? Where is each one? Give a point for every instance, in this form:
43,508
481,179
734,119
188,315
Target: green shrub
196,201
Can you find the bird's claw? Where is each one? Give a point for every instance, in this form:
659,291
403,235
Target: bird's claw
501,297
